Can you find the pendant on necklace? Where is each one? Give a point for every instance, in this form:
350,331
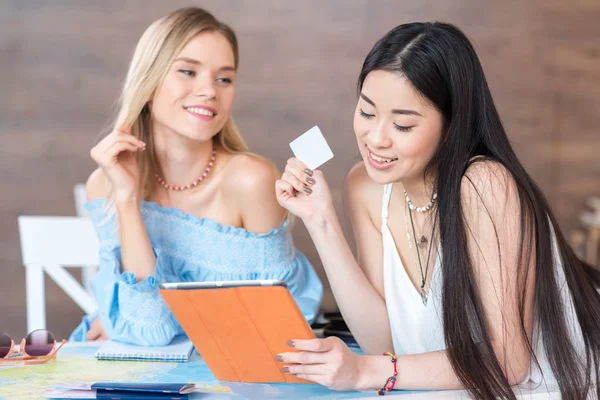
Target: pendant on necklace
424,296
422,242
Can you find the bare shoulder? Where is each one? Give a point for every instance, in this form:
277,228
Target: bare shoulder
487,176
250,173
363,192
489,183
96,186
250,188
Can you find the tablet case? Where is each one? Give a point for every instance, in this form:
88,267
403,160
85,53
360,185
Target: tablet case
239,331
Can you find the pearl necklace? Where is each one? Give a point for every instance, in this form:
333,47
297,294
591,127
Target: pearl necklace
196,182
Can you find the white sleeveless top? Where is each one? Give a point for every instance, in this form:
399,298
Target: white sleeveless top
418,328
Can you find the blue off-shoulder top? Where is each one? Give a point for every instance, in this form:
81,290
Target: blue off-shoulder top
187,249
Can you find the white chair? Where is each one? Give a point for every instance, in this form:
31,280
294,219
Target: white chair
80,199
49,244
87,271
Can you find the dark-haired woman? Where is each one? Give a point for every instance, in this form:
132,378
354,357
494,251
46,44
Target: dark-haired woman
463,275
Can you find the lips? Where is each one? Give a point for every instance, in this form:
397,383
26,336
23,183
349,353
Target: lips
380,163
201,111
382,159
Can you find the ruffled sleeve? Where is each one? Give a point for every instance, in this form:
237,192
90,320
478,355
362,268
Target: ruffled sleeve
130,311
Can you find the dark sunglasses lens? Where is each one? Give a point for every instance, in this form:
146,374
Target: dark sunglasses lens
39,343
5,343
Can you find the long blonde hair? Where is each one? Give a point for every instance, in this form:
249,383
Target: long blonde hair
153,56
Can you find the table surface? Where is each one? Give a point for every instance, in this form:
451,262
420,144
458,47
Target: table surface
76,364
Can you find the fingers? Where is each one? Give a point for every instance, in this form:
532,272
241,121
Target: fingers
298,176
96,331
303,167
319,373
322,361
92,334
116,136
96,334
316,345
316,367
307,369
284,188
300,171
113,145
296,183
125,129
119,147
302,357
124,134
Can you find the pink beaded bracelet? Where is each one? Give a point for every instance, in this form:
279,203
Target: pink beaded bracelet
391,381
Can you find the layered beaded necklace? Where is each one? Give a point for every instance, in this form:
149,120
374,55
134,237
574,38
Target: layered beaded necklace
421,243
420,209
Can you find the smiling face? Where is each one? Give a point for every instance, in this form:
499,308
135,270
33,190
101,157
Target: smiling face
196,96
397,130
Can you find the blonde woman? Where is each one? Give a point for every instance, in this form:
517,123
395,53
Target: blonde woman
177,196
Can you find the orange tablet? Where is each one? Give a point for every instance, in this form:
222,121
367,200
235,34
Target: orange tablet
238,327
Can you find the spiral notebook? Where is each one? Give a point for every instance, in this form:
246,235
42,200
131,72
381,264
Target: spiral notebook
178,350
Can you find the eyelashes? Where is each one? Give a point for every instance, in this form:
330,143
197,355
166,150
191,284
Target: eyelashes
191,74
402,128
187,72
399,128
364,114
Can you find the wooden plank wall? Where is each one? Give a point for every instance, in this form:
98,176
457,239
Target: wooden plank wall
62,63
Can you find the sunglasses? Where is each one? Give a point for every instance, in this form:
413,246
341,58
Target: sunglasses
37,348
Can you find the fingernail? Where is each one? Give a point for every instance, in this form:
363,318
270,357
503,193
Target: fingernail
285,370
291,343
307,190
279,358
308,172
310,181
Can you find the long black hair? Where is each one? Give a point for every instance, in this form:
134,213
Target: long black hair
440,63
